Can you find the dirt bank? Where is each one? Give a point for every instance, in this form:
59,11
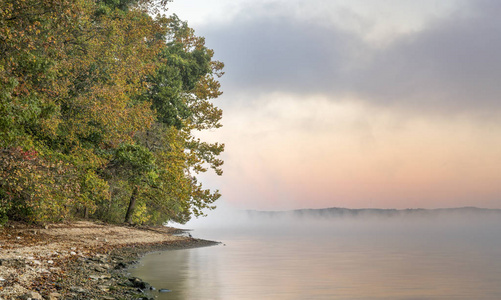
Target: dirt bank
80,260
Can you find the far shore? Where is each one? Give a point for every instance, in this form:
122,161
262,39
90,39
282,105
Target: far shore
80,260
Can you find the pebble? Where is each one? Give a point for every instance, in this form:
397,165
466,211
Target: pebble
32,296
104,288
54,296
94,277
77,289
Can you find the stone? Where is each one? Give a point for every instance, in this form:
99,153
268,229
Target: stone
138,283
77,289
99,277
95,277
54,296
100,269
127,283
104,288
44,271
32,296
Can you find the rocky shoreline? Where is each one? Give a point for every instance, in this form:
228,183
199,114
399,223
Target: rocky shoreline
77,270
105,275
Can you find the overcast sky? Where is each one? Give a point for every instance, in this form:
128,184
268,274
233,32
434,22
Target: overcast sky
356,103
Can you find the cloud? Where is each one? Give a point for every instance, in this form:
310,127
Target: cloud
277,53
452,65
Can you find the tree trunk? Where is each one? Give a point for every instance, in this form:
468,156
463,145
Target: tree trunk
132,205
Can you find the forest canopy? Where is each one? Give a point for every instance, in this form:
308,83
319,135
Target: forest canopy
99,105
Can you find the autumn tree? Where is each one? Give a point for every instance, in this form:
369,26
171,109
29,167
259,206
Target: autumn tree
180,92
99,102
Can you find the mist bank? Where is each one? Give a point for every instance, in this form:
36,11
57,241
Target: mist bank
464,223
365,213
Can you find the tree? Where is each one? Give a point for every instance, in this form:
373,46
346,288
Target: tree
137,165
181,91
99,102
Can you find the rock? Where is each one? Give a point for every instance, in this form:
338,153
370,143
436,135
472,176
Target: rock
54,296
98,277
138,283
127,283
73,253
32,296
120,265
44,271
104,288
77,289
95,277
100,269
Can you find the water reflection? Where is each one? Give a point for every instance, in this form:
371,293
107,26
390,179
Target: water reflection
357,261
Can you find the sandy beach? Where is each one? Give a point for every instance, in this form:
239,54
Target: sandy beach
79,260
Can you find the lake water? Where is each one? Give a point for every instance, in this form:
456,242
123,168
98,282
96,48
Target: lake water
444,258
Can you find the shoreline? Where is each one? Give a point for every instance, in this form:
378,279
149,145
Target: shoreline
80,260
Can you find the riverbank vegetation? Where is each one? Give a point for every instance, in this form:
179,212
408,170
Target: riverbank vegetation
99,105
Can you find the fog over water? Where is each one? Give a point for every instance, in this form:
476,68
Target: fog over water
335,254
453,222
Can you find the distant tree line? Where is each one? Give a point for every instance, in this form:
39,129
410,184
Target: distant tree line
99,103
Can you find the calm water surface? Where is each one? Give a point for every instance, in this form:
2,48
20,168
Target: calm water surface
457,259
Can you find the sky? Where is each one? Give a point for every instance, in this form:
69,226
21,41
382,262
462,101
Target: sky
355,103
